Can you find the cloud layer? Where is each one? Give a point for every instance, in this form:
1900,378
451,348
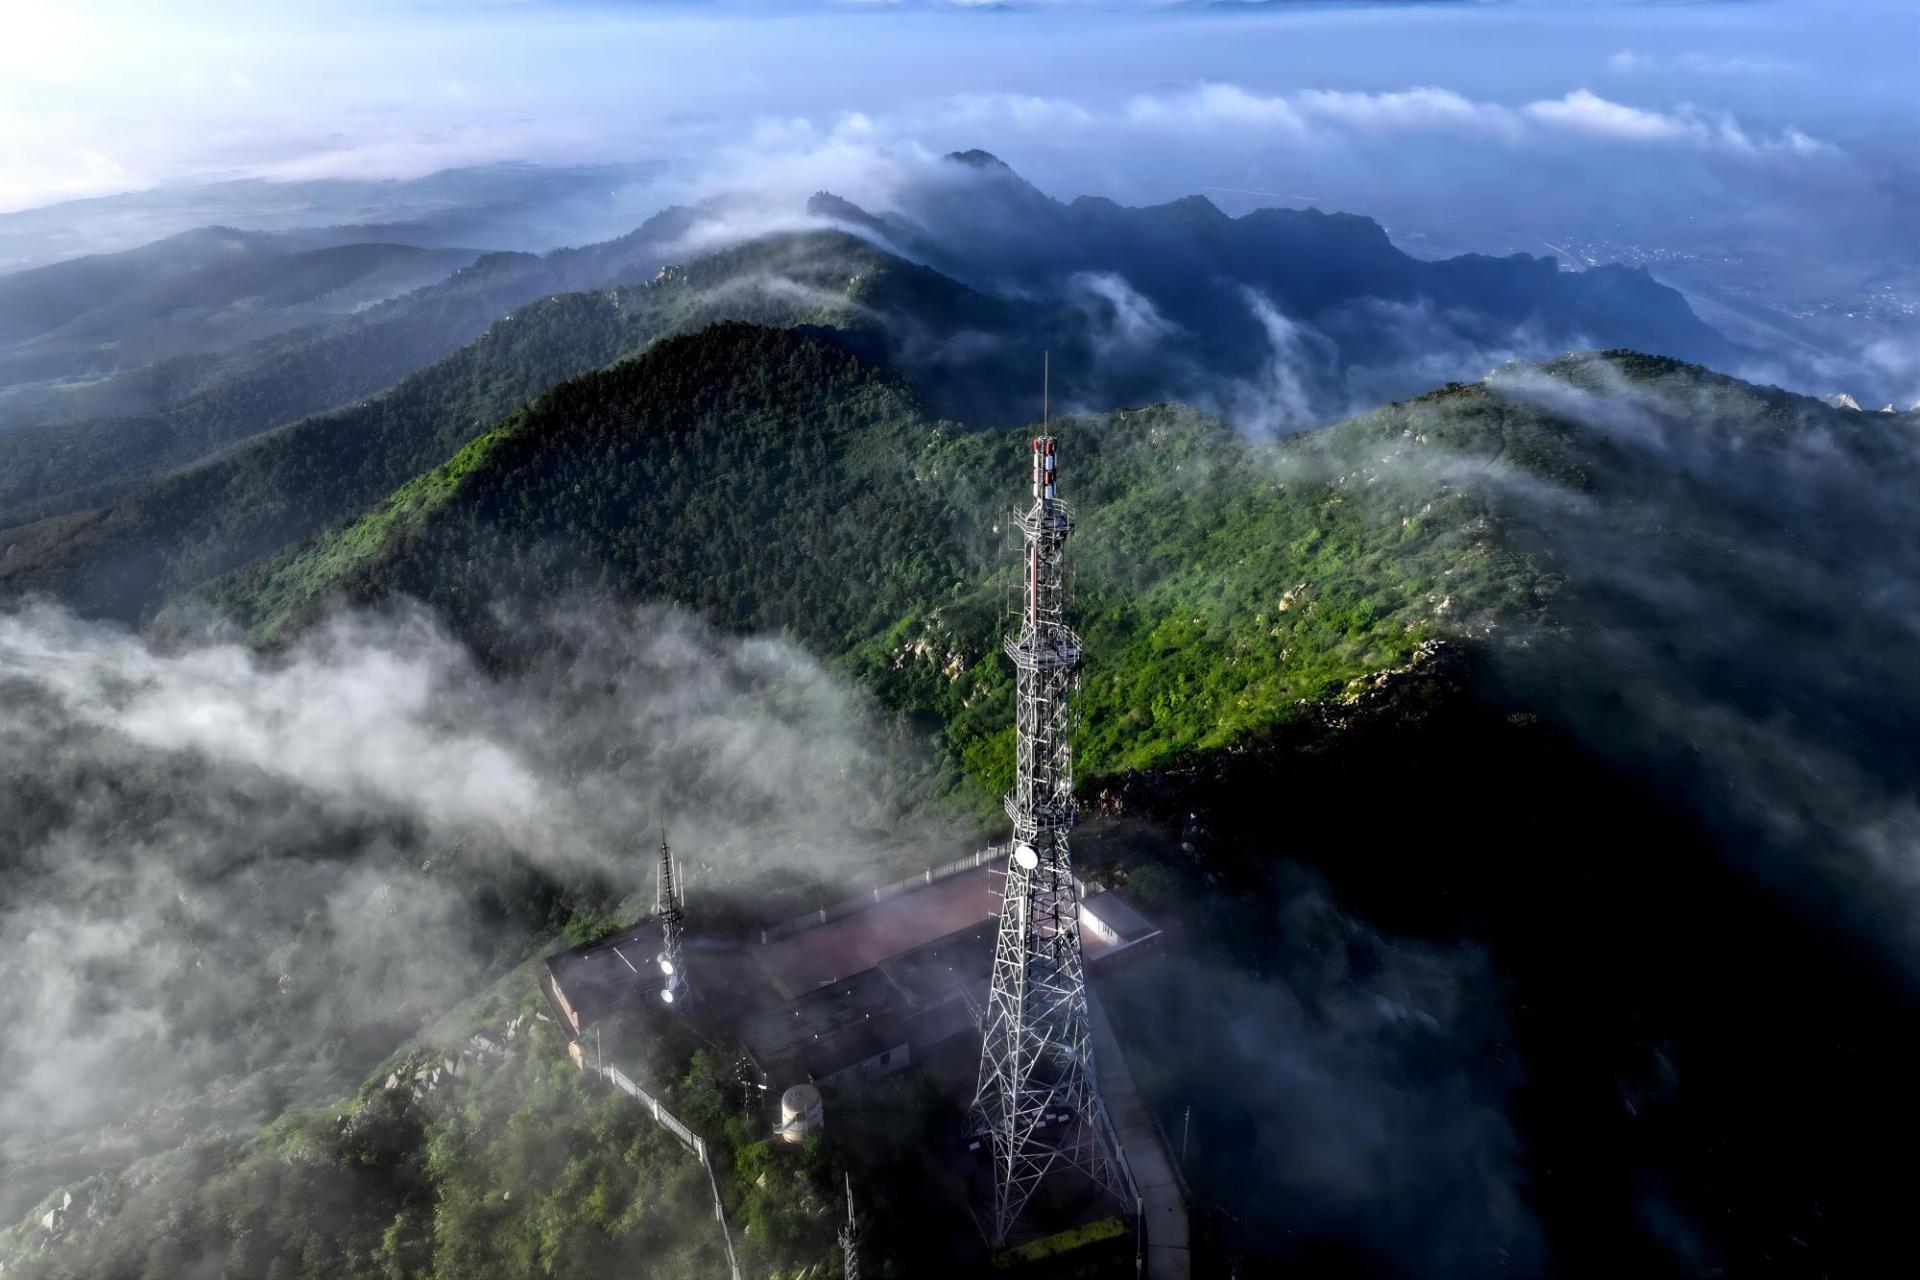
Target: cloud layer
230,884
1327,116
1357,1093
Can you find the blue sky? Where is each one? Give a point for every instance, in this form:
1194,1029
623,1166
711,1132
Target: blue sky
96,98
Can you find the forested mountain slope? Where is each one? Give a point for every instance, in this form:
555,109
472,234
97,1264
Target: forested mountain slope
775,481
182,529
1220,582
1543,662
65,466
1528,661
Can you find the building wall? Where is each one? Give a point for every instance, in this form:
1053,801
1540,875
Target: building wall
561,1003
878,1067
1094,924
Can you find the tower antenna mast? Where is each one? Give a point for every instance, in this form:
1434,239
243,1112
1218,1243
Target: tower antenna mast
1038,1102
850,1239
671,912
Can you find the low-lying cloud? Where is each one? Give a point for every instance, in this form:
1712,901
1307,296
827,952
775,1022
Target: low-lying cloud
1319,114
1353,1094
1630,61
1583,111
230,884
1747,615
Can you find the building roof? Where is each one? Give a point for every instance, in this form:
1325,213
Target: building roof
932,973
610,973
835,995
908,998
850,1047
817,956
823,1013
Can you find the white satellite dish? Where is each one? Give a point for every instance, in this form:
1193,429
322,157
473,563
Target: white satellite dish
666,966
1025,856
666,994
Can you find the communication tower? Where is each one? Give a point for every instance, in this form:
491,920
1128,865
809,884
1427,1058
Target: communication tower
1038,1103
671,913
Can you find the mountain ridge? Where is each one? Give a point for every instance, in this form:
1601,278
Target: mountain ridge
1175,301
1147,532
250,499
68,466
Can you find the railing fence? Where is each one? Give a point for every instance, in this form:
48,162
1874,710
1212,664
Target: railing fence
671,1123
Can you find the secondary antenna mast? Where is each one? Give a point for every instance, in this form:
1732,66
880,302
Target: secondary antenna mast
671,913
850,1239
1038,1103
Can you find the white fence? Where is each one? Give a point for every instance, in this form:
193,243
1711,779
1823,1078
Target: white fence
671,1123
841,910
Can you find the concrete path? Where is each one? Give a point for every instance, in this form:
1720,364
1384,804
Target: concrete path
1164,1203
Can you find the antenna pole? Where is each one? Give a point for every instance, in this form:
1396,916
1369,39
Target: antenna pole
850,1238
670,911
1038,1108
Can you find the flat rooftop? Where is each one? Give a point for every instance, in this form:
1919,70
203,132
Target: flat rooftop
817,956
608,974
895,970
915,997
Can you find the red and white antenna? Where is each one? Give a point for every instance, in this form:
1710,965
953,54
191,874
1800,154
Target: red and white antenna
1038,1106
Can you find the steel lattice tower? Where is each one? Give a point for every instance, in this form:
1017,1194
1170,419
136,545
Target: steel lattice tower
670,912
850,1239
1038,1104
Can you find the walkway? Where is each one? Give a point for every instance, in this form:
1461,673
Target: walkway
1164,1203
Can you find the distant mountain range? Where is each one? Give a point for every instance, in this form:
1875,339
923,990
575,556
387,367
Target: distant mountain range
127,366
197,294
197,405
499,206
1184,280
182,528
